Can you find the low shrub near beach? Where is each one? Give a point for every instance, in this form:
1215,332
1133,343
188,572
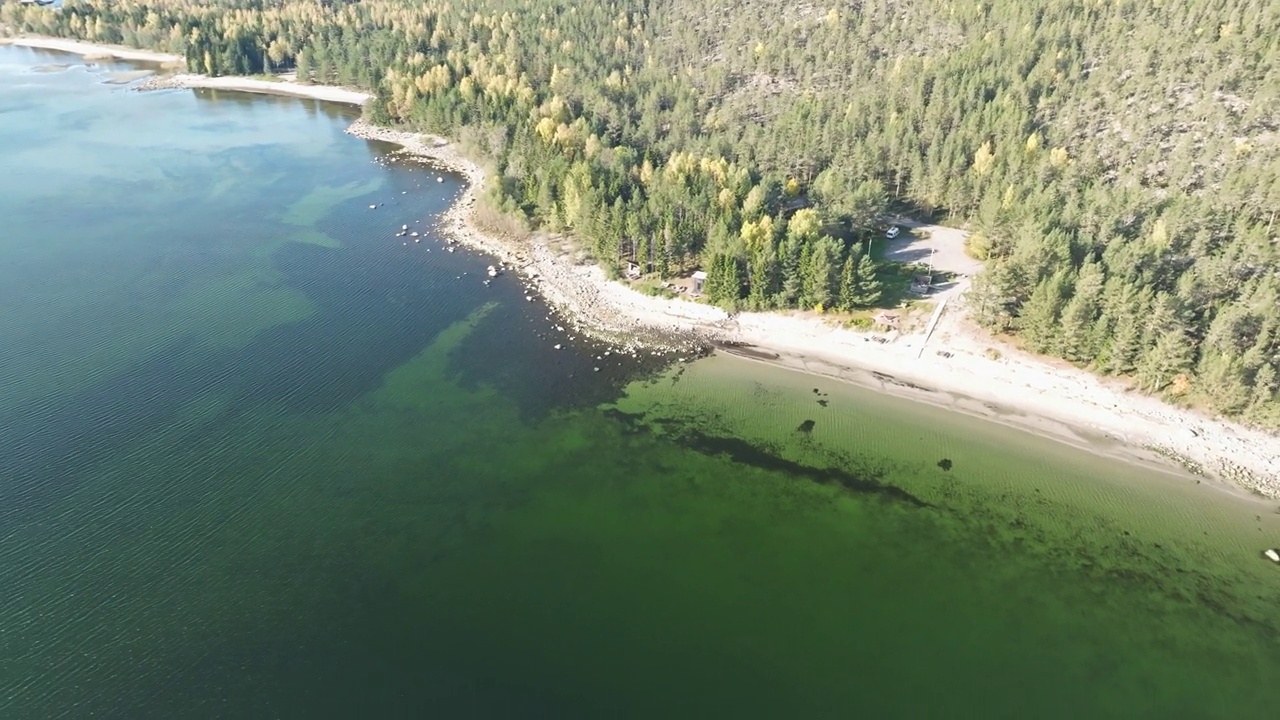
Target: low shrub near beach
653,289
861,323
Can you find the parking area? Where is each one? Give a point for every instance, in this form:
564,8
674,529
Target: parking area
925,244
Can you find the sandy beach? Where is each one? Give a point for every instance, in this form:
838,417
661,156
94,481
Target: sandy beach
281,86
91,51
958,365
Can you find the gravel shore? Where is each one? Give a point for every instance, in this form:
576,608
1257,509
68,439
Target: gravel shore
574,286
962,368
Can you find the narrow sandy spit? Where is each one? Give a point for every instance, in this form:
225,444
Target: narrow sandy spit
91,51
956,367
281,86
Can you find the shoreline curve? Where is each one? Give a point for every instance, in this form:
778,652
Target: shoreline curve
1034,394
1015,389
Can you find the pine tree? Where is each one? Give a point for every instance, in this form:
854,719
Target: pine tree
867,204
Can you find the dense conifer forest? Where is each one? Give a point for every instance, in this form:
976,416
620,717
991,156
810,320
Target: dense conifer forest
1117,160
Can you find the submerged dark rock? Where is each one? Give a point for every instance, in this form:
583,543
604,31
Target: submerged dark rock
741,451
945,464
806,426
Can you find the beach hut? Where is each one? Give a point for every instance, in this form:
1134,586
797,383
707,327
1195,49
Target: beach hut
699,278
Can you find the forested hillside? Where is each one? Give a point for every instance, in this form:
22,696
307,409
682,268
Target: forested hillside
1119,160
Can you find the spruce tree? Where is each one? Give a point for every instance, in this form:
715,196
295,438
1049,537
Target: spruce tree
763,276
849,296
1130,314
793,258
1264,389
869,287
819,273
1172,356
724,281
1220,380
1080,314
1038,321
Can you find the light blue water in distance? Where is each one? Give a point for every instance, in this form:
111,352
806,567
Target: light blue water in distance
260,458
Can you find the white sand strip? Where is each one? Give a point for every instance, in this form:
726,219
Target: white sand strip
1018,382
327,93
980,370
92,51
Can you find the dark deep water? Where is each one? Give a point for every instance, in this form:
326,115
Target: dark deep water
261,458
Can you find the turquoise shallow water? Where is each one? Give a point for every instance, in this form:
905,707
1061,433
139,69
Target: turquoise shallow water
261,459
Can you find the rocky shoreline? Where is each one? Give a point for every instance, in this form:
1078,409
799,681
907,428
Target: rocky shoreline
1026,386
576,288
1030,389
157,82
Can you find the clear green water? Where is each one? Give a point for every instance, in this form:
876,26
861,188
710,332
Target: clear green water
260,459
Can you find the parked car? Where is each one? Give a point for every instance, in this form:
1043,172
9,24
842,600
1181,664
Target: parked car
892,232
